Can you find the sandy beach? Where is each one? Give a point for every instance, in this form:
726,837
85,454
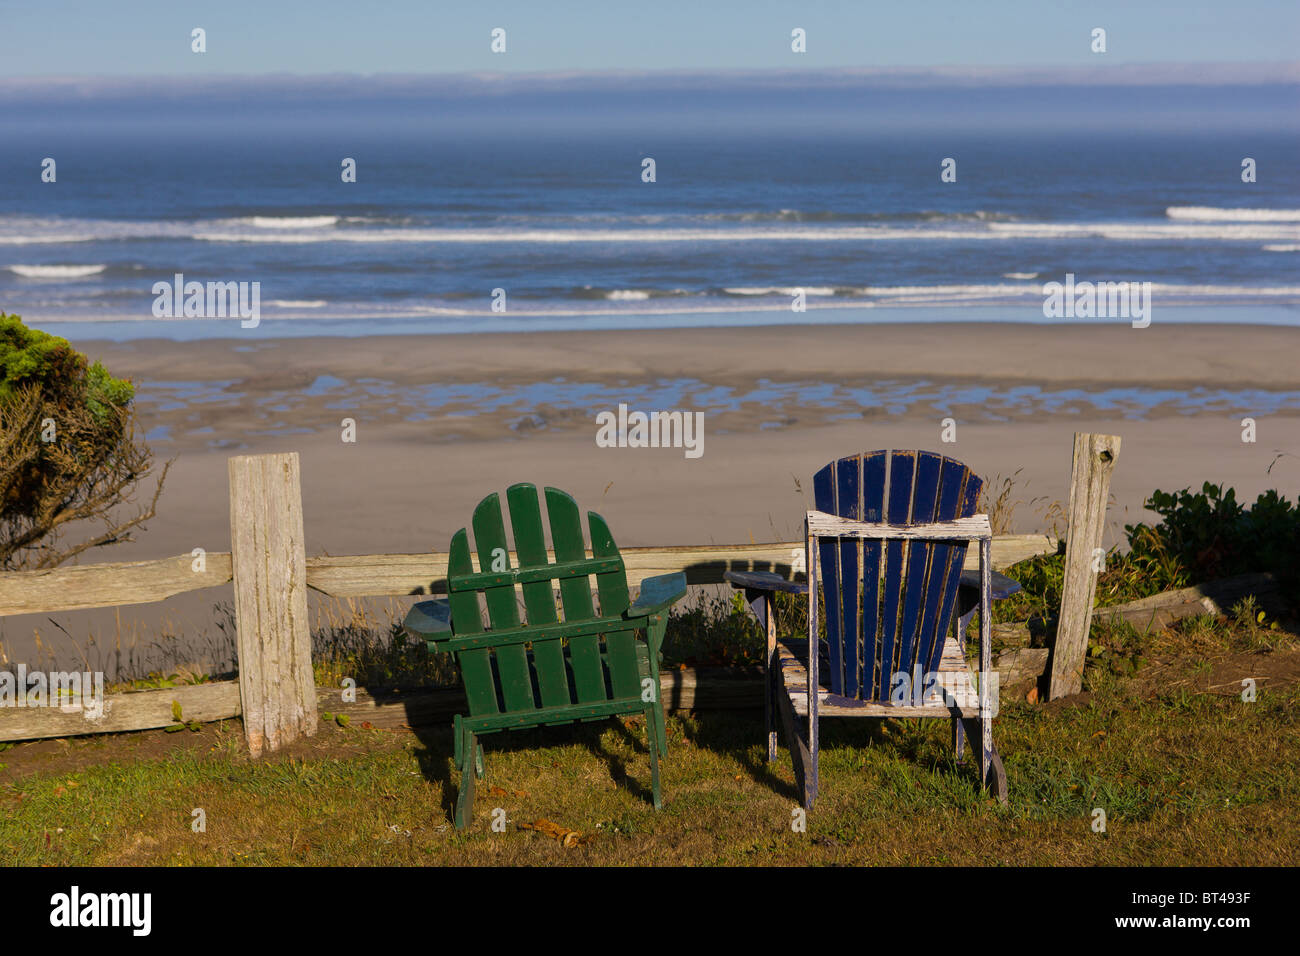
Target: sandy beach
778,403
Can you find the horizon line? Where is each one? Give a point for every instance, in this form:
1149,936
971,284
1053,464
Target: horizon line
72,87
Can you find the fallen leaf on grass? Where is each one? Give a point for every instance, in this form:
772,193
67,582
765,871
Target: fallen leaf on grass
1032,696
568,838
496,791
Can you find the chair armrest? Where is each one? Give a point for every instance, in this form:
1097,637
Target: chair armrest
658,593
1001,586
430,620
764,581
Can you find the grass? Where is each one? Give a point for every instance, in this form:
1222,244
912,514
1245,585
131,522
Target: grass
1184,778
1185,773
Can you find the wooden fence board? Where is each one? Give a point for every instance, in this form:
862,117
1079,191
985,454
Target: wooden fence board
277,689
393,575
683,690
1094,460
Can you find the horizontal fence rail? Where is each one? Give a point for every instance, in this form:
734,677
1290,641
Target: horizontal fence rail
683,690
399,575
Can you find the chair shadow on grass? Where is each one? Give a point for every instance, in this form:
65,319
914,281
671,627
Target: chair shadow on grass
744,740
737,734
435,755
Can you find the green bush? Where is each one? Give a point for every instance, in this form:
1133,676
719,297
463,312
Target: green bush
1210,535
30,357
69,453
1200,537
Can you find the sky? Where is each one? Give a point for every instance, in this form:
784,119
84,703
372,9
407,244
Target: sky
153,37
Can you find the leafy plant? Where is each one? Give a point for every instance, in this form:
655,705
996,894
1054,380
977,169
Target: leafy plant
181,722
1210,535
68,454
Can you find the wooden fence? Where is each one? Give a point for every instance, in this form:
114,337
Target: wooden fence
270,572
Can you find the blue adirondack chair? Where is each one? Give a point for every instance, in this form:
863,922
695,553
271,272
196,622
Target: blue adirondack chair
885,549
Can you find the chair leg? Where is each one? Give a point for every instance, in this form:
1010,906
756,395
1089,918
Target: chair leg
810,772
468,754
771,723
997,779
652,719
478,761
958,739
660,625
770,669
993,774
993,777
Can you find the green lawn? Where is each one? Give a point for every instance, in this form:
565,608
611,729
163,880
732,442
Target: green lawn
1183,778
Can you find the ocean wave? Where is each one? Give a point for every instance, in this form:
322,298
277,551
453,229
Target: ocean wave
56,272
1138,231
1287,247
1217,214
298,303
787,290
291,222
304,230
802,215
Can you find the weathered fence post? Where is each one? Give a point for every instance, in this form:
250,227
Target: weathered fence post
1094,460
269,563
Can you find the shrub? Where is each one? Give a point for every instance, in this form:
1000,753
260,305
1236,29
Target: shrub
1210,535
67,449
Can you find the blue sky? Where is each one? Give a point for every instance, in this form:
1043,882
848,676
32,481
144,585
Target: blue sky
94,37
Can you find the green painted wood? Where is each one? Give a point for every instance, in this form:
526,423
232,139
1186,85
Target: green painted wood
575,593
466,747
568,569
475,664
539,595
502,604
525,634
620,646
596,710
521,674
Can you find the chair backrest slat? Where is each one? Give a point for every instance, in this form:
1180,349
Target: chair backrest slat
575,593
848,494
873,505
828,551
539,596
502,604
874,633
466,618
611,586
925,493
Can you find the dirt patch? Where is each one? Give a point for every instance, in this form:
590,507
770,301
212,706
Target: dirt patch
1272,670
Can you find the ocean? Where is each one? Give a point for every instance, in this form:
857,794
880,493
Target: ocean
559,218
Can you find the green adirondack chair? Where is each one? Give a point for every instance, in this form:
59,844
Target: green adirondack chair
553,668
